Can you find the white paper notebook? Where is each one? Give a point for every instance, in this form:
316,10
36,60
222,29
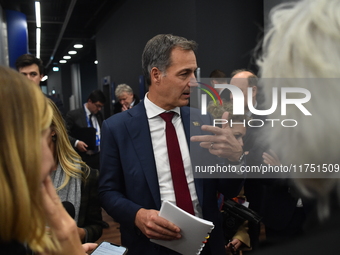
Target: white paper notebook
194,230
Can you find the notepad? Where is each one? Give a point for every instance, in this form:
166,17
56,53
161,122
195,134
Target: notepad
195,231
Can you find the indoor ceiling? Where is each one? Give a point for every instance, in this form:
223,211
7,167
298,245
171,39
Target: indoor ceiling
64,23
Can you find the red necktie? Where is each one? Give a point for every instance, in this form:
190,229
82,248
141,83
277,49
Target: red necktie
179,180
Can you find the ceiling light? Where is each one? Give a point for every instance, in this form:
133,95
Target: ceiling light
38,40
62,61
78,46
55,69
66,57
37,13
96,62
44,78
72,52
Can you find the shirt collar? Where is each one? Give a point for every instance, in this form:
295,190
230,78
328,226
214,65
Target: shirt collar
249,113
153,110
87,110
132,104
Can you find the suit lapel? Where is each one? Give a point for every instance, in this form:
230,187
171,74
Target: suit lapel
139,131
188,125
83,117
185,114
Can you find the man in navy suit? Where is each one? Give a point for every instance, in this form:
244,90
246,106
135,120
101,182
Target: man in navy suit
135,175
89,115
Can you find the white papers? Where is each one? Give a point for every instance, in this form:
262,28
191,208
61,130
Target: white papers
194,230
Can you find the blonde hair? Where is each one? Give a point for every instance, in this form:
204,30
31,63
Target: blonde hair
304,42
69,159
24,115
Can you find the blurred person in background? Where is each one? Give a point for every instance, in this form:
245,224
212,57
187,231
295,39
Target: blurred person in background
303,42
33,69
126,99
88,116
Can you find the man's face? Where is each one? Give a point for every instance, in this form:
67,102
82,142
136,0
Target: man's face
94,108
239,131
173,88
126,99
240,80
32,73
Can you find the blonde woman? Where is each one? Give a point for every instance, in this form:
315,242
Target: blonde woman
28,201
75,182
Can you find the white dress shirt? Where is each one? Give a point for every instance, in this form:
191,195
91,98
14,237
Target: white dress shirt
95,125
158,137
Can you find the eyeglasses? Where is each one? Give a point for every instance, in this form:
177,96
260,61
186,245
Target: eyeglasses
98,105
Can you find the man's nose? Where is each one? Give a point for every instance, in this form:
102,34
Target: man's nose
193,81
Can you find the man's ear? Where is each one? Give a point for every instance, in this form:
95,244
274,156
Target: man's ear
155,75
213,82
254,90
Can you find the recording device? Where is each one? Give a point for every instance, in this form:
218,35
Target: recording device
106,248
69,207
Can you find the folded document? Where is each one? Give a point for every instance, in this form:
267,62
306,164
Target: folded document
195,231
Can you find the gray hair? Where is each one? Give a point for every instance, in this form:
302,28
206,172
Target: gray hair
121,88
157,52
303,42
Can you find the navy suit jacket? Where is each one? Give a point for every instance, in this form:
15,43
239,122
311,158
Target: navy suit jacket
76,119
128,177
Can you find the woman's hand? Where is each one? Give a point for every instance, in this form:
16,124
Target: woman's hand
61,225
88,247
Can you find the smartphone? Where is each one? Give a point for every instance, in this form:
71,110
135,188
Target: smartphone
106,248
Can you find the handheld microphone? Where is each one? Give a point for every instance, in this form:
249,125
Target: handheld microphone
69,207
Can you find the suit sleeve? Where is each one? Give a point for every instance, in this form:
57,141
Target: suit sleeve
90,215
112,190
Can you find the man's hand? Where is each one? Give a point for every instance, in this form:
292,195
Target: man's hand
156,227
271,158
81,146
125,107
233,246
223,143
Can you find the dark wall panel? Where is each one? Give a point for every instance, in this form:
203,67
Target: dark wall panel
88,77
121,40
226,31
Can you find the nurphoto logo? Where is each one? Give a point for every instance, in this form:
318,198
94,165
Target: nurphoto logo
238,105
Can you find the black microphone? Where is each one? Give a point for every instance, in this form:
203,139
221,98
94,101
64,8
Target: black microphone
69,207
